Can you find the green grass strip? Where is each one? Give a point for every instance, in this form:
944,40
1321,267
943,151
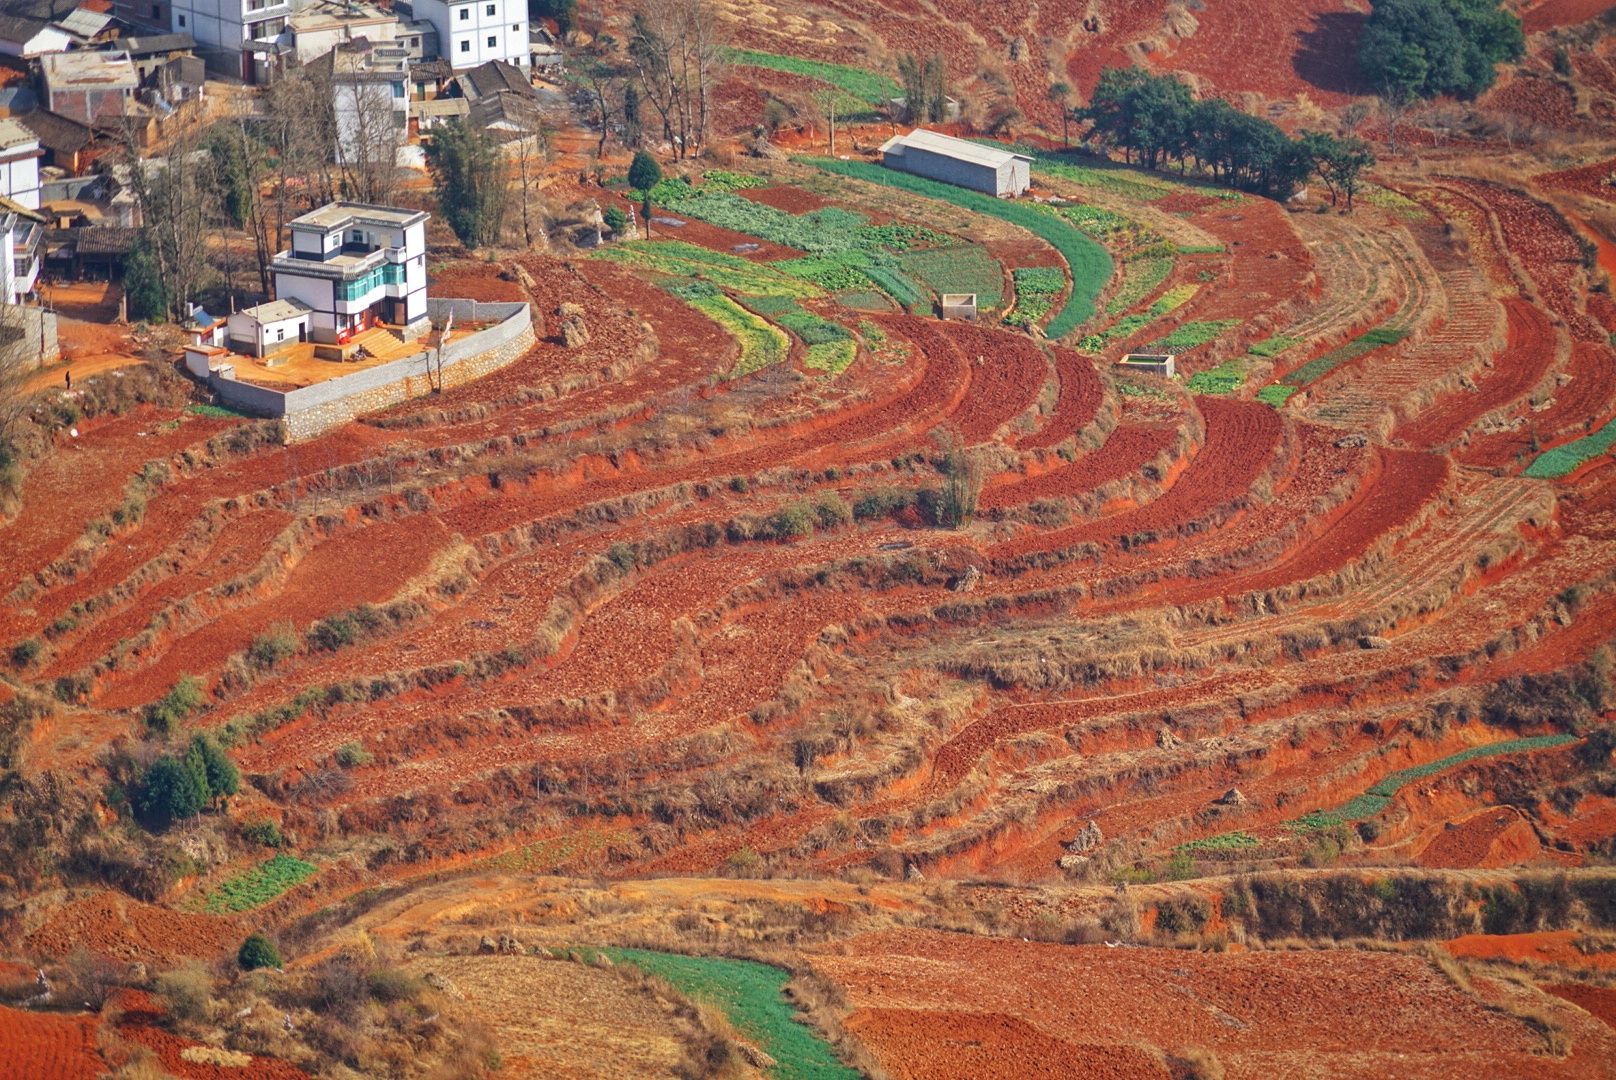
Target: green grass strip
1129,325
1316,369
1089,262
751,994
868,87
679,259
1380,795
260,885
1555,463
831,357
1275,394
1229,841
1192,335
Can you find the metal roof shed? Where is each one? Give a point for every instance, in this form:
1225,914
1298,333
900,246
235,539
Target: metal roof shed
935,156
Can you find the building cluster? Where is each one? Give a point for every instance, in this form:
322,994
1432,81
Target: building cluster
82,80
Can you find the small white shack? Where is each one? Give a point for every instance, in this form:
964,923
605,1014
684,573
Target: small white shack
935,156
261,330
1164,364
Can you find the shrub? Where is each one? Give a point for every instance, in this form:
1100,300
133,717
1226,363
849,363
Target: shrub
272,646
351,755
616,220
881,503
176,707
388,985
258,952
831,510
186,991
794,522
263,832
25,652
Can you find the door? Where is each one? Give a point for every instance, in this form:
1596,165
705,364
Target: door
302,332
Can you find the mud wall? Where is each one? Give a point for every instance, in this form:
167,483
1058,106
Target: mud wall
311,410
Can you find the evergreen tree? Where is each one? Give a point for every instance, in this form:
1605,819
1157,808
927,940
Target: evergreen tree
472,181
1423,48
218,771
171,789
143,284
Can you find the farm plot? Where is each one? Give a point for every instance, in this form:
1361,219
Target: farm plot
967,268
259,886
1089,263
1037,289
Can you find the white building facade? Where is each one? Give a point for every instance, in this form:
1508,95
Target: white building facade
19,164
238,36
355,266
473,32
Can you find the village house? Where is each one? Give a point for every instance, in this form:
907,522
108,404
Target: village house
267,328
89,86
473,32
28,39
19,164
355,266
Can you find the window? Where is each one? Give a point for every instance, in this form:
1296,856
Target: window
398,89
465,46
156,10
516,28
182,20
488,9
465,13
280,334
492,42
415,43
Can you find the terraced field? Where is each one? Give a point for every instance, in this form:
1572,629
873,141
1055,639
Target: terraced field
779,574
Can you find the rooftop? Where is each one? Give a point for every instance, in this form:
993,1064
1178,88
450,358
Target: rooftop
492,77
110,69
338,214
20,28
947,146
83,23
150,44
13,133
331,15
276,311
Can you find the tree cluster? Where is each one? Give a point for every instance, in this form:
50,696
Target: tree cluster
1156,121
1424,48
675,51
472,179
925,88
174,787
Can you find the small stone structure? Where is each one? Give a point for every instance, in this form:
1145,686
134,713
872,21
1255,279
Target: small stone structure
959,306
1151,363
312,410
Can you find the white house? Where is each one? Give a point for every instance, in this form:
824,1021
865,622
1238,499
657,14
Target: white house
236,36
370,99
473,32
321,26
268,328
355,266
19,164
957,161
28,38
22,231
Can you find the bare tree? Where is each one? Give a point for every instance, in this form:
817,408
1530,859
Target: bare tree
529,153
676,49
178,200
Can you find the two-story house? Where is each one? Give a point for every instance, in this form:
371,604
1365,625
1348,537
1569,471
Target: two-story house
355,266
473,32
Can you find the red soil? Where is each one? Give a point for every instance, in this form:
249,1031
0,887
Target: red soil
917,995
128,929
793,200
1551,13
1080,395
1544,947
140,1025
1597,1001
1278,50
1537,101
1492,838
48,1046
1128,449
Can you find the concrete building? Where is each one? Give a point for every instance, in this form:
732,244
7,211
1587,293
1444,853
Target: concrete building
355,266
473,32
370,96
956,161
89,87
150,52
19,164
326,24
267,328
236,37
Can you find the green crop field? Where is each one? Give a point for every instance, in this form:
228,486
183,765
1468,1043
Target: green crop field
1037,289
1316,369
1226,378
967,268
1376,798
679,259
1275,394
1271,347
1562,460
1089,262
1229,841
761,342
1192,335
260,885
865,87
1129,325
1141,276
750,994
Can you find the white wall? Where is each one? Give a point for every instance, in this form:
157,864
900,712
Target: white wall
19,178
464,29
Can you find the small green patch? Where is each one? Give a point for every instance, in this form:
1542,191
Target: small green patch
1037,289
1316,369
216,412
866,87
1272,347
1275,394
1229,841
761,343
752,996
1558,462
1192,335
1140,277
1226,378
259,886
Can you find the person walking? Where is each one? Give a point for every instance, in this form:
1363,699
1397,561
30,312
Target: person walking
68,375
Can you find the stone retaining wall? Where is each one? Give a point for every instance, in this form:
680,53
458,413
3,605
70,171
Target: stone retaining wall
311,410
